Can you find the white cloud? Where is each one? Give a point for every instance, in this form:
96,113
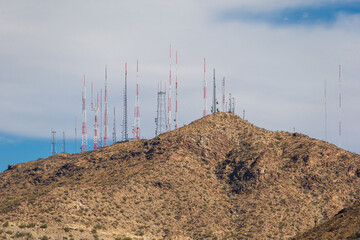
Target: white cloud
276,74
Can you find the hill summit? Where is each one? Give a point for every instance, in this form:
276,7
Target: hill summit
219,177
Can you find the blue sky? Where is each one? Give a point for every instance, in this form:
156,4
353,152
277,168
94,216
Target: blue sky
322,13
275,56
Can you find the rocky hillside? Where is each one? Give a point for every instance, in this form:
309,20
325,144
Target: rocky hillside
344,225
218,178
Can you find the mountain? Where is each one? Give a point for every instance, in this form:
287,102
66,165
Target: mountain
344,225
219,177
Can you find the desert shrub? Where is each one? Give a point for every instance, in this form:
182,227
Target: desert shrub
44,238
43,226
66,229
6,224
30,225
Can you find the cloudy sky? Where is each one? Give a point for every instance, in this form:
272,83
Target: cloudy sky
275,55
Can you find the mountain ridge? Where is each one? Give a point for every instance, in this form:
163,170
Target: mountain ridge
219,177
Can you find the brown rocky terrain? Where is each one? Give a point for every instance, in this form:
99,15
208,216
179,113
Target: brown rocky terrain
217,178
344,225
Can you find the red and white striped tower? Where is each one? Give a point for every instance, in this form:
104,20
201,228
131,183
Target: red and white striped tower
96,122
169,97
176,94
137,109
339,105
84,145
223,95
204,86
105,143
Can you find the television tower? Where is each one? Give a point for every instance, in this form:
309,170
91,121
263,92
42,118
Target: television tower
96,120
53,143
105,143
114,128
101,121
64,143
205,90
125,118
137,109
84,127
339,105
214,110
75,132
325,111
160,119
169,97
223,95
176,94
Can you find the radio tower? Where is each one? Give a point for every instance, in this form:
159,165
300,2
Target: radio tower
105,143
325,111
75,132
101,120
53,143
213,110
176,95
114,128
205,90
64,143
137,109
84,127
223,95
339,105
124,125
160,119
96,121
169,97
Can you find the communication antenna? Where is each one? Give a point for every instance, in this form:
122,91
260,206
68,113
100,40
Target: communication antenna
84,145
339,105
125,117
233,105
230,103
53,143
96,122
105,143
169,97
176,93
101,120
213,110
223,95
75,133
114,128
160,120
205,90
325,111
137,109
64,143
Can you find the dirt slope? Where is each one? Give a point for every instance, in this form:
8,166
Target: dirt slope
218,178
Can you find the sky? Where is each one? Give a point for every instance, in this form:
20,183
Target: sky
274,54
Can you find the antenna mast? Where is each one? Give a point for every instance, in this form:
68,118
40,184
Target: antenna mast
213,110
114,129
101,121
124,125
160,119
325,112
53,143
176,94
64,143
84,127
96,122
339,105
223,95
204,86
137,109
105,143
169,97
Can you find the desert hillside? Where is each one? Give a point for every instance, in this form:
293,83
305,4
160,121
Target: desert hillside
219,177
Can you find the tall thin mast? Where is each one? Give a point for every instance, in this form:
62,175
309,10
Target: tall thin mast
64,143
214,95
325,112
125,118
84,145
105,143
53,143
169,97
75,133
137,109
223,95
339,105
101,120
176,94
114,128
96,123
205,90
